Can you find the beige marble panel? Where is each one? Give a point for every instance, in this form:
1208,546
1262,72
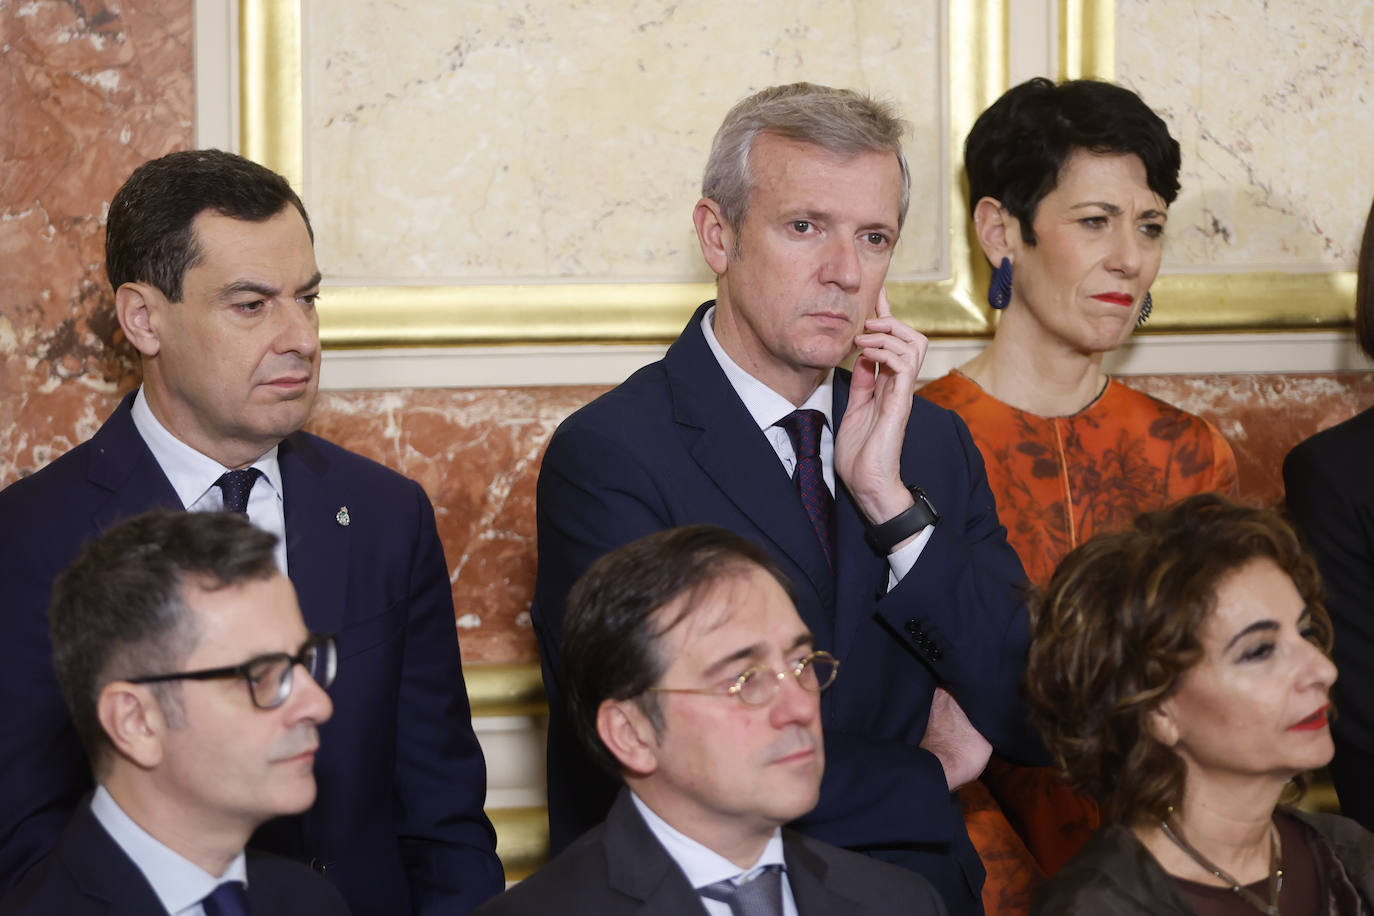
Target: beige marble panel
1272,104
564,139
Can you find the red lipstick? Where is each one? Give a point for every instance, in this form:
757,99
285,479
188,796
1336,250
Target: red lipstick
1121,299
1313,722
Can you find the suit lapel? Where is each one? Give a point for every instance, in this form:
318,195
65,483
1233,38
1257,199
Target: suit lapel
806,875
638,867
317,543
122,464
729,447
101,870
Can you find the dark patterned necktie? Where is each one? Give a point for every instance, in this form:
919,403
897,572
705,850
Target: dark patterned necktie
236,486
761,896
230,898
804,429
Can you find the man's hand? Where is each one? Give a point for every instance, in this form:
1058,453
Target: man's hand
868,444
951,737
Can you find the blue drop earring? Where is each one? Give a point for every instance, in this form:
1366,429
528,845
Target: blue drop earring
999,288
1144,310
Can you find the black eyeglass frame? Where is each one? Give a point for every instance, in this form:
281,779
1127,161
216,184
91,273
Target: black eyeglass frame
315,642
736,687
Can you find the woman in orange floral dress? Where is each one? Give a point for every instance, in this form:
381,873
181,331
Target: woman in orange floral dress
1070,186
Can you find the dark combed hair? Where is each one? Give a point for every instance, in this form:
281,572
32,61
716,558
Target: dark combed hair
118,610
1364,289
1020,145
612,624
1119,625
148,234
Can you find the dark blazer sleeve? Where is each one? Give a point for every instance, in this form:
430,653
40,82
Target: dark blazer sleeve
593,496
445,839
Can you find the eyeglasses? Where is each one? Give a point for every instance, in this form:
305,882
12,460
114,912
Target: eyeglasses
758,685
269,676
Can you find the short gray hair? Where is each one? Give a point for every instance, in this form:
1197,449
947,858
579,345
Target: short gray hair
841,121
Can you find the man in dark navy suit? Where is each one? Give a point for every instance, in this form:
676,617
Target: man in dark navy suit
692,680
877,508
197,693
212,261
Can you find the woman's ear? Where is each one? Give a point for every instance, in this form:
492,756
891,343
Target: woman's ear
998,231
1162,724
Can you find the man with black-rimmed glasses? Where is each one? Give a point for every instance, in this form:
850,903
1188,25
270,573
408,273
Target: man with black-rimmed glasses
197,693
693,680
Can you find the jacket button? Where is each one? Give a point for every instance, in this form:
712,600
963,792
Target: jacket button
317,865
913,626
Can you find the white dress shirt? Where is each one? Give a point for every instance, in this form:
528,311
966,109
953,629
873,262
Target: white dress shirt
179,883
193,475
703,866
768,408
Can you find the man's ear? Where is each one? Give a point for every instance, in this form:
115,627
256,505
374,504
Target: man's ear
998,231
715,234
135,304
1162,724
133,721
628,735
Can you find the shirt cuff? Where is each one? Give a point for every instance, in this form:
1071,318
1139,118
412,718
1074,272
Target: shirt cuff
902,559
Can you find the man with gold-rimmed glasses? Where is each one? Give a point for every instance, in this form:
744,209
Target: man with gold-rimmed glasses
197,693
692,678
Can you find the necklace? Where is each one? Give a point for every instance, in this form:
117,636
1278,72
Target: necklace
1275,868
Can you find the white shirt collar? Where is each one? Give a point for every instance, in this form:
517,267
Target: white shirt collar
190,472
702,865
764,404
179,883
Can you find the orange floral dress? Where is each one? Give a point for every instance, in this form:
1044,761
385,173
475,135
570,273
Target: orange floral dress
1057,482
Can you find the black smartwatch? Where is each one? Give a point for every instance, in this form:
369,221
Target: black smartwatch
882,538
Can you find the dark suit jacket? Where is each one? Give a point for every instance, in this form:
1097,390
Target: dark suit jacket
1331,499
398,823
621,869
90,875
674,445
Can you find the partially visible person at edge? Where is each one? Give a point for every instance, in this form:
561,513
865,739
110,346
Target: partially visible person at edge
1179,673
1330,494
212,262
1070,187
198,695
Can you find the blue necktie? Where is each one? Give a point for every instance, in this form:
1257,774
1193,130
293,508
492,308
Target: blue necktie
804,429
229,899
236,485
761,896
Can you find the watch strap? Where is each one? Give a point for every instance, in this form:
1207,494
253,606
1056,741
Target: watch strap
882,538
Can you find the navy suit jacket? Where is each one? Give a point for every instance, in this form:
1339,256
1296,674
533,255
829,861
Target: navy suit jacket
398,823
90,875
620,869
674,445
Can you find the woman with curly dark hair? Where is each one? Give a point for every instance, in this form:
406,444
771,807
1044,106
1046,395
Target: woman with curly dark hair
1179,674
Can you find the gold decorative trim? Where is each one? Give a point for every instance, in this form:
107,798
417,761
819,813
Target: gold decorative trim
271,93
522,839
1087,39
271,90
505,690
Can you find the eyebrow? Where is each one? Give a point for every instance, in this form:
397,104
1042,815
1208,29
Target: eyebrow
757,650
262,289
1257,626
1114,210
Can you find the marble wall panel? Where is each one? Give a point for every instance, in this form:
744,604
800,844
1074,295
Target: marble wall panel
556,140
88,92
477,452
1271,103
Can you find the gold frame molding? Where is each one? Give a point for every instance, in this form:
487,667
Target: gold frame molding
272,130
